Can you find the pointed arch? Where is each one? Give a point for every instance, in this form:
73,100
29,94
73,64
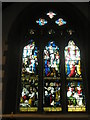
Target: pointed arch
29,78
52,82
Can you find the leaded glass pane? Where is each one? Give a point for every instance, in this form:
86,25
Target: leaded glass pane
75,96
29,79
51,14
51,60
52,82
60,22
75,92
41,22
72,60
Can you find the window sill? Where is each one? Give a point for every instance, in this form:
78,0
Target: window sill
81,115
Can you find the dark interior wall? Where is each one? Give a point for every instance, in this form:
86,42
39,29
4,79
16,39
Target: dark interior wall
14,36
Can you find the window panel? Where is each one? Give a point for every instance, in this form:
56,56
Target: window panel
29,79
51,60
72,60
75,92
75,96
52,82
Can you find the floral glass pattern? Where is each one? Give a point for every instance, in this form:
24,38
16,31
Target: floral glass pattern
41,22
60,22
51,14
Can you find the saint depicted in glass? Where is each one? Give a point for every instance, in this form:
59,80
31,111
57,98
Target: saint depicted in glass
75,96
51,60
52,82
72,60
75,92
29,79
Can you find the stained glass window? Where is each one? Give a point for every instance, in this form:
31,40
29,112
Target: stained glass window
51,14
52,82
72,60
75,96
75,91
60,22
29,78
51,68
41,22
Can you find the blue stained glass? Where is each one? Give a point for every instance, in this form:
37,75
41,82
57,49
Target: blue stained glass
52,60
60,22
41,22
53,45
68,69
52,97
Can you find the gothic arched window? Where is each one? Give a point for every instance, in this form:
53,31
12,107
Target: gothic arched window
53,93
